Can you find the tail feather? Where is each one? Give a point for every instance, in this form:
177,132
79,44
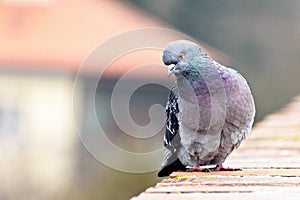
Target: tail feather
170,164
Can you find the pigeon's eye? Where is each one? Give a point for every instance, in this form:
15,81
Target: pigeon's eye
181,56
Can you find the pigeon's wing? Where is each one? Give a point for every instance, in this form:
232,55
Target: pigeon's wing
172,123
241,109
170,161
240,113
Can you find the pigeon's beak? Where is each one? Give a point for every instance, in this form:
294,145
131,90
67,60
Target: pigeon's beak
171,69
170,59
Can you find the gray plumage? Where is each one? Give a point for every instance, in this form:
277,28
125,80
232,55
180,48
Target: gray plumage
209,112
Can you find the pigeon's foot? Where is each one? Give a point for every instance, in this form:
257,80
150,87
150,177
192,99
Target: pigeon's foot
220,167
198,169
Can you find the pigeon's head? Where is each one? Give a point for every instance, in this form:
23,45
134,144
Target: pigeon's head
181,55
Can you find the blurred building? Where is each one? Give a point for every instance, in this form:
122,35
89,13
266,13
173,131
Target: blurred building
42,45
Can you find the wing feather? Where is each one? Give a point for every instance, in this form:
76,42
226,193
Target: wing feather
172,139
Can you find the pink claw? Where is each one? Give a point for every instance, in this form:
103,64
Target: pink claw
197,168
221,167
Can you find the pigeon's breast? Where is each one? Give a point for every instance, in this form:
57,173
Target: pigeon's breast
194,104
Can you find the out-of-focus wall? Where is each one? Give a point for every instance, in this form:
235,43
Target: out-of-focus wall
36,135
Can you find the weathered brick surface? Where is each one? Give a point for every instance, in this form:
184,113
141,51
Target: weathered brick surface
270,160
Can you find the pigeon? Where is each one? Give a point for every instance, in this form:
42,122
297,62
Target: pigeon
210,110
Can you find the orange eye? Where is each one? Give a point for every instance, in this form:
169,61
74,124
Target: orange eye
181,56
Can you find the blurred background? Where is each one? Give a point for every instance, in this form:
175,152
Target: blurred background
44,42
